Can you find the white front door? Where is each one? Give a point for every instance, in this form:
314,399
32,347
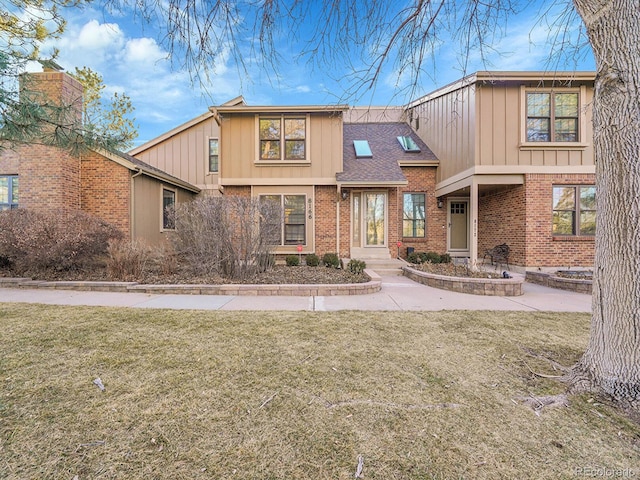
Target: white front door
369,225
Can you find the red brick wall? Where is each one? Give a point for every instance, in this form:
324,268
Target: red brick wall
423,180
542,248
57,88
326,198
49,177
501,219
106,190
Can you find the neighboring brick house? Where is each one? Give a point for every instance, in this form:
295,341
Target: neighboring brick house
497,157
116,187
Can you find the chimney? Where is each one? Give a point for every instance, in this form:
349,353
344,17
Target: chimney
53,87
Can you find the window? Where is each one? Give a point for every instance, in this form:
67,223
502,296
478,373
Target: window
408,144
283,143
213,155
293,227
552,117
574,210
8,192
413,219
363,150
168,212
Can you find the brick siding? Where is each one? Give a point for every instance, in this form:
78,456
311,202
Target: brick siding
106,190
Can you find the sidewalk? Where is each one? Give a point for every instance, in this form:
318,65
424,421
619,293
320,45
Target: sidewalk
398,293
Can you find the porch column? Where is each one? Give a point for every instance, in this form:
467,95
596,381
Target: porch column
473,210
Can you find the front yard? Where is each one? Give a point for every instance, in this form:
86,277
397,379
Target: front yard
284,395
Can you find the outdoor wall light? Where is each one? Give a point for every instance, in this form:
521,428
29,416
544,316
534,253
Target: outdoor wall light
344,193
440,202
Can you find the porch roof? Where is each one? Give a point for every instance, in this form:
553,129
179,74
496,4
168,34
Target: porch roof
383,166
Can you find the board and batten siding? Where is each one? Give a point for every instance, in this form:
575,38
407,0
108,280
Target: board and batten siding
501,121
446,123
185,155
239,164
481,124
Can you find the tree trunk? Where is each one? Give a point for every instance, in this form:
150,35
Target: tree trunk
611,362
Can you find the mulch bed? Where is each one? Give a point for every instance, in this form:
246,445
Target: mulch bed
452,270
280,274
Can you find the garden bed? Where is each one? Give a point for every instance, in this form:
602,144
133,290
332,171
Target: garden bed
572,280
484,283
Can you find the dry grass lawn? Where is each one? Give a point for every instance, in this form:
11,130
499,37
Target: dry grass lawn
297,395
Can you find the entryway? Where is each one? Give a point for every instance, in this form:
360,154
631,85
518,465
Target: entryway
458,231
369,229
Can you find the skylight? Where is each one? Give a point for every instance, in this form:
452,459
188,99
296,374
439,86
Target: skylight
363,149
408,144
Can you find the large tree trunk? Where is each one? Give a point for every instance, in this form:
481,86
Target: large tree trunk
611,362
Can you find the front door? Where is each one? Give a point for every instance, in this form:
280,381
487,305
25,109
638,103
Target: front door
369,223
375,225
458,226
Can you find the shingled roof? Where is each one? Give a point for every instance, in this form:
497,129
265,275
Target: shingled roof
383,167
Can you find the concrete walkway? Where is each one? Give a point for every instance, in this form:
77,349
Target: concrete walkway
397,293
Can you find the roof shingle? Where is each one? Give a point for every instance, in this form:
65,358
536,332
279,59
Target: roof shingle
383,166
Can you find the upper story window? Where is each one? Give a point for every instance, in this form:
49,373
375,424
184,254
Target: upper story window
8,192
552,116
574,210
214,155
283,138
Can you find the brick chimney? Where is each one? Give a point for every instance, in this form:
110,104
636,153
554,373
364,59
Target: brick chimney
50,177
54,87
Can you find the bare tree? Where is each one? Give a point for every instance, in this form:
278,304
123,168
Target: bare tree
362,37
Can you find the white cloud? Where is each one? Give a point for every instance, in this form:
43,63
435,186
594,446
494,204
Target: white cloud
144,51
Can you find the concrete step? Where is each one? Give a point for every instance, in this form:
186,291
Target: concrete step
386,267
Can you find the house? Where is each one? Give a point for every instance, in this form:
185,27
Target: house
114,186
496,157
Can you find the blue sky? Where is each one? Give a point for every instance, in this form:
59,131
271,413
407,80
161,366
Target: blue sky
130,58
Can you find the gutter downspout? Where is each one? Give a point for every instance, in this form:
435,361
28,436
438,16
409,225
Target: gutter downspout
132,203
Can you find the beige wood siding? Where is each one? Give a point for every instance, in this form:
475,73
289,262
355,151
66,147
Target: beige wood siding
239,164
147,207
186,154
501,124
483,124
447,125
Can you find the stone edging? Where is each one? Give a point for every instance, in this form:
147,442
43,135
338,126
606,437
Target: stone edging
372,286
550,280
504,287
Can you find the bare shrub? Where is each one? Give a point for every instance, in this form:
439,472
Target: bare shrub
33,241
229,236
127,259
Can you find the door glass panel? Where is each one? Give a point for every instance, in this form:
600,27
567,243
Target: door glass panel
356,221
374,220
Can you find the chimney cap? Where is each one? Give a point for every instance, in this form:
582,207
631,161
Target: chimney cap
50,64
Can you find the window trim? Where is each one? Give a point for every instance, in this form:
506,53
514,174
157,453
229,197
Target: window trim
306,205
414,220
164,188
576,209
10,205
208,156
581,142
282,161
